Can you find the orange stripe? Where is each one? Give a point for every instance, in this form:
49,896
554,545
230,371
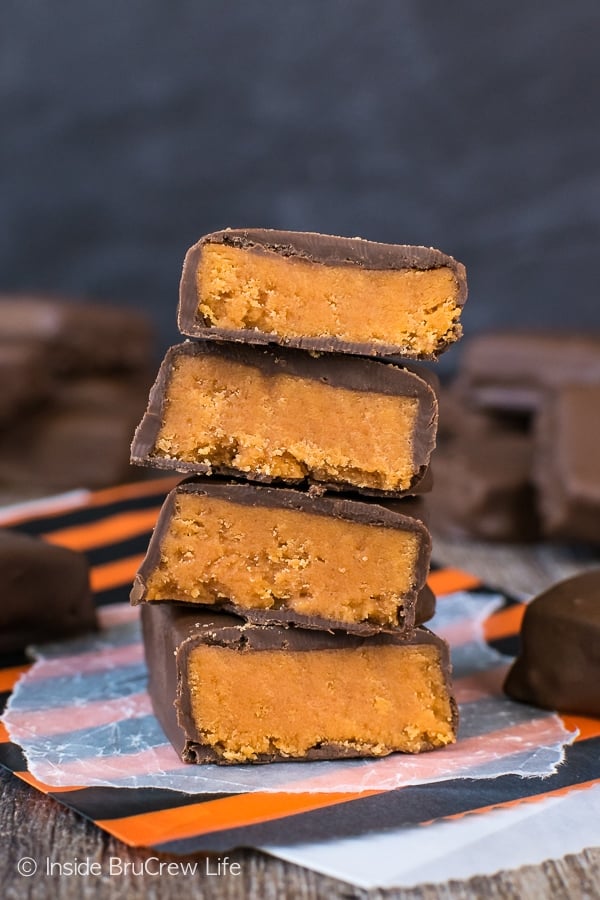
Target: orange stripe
505,623
446,581
46,788
105,531
588,727
4,735
137,489
217,815
114,574
9,677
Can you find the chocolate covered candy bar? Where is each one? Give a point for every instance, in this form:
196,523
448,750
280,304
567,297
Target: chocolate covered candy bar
323,293
283,556
558,666
338,422
514,370
484,489
567,463
24,376
80,337
45,592
79,438
482,474
229,692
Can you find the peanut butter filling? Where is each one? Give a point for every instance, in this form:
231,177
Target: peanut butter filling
223,413
375,700
268,558
292,297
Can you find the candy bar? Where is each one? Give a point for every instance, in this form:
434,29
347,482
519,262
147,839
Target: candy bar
483,488
80,337
567,463
24,375
78,439
283,556
322,293
45,592
336,422
515,370
228,692
558,666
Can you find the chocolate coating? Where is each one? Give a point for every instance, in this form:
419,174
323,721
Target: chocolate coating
558,666
171,631
483,474
327,250
513,370
80,337
483,489
24,375
567,463
354,374
281,498
78,438
45,592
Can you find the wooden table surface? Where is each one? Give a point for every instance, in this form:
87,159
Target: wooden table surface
32,825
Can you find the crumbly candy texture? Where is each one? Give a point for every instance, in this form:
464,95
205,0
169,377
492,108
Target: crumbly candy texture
219,412
269,557
294,297
368,700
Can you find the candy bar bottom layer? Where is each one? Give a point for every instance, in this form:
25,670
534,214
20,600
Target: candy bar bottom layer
228,692
342,422
413,308
276,555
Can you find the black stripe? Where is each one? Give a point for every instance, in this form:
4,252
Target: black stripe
88,514
487,591
113,803
508,645
109,553
4,695
405,807
12,757
119,594
17,658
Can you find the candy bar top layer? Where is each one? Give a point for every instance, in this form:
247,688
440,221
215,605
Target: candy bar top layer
229,692
513,370
277,555
321,292
558,666
335,421
46,594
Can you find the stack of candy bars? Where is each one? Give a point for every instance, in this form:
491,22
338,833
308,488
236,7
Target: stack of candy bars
75,380
518,440
283,593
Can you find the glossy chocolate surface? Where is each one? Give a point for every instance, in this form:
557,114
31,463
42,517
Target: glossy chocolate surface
514,370
45,592
558,666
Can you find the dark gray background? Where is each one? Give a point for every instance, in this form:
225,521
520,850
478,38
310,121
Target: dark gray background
131,128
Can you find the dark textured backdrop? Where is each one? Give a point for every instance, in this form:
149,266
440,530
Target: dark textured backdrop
129,129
